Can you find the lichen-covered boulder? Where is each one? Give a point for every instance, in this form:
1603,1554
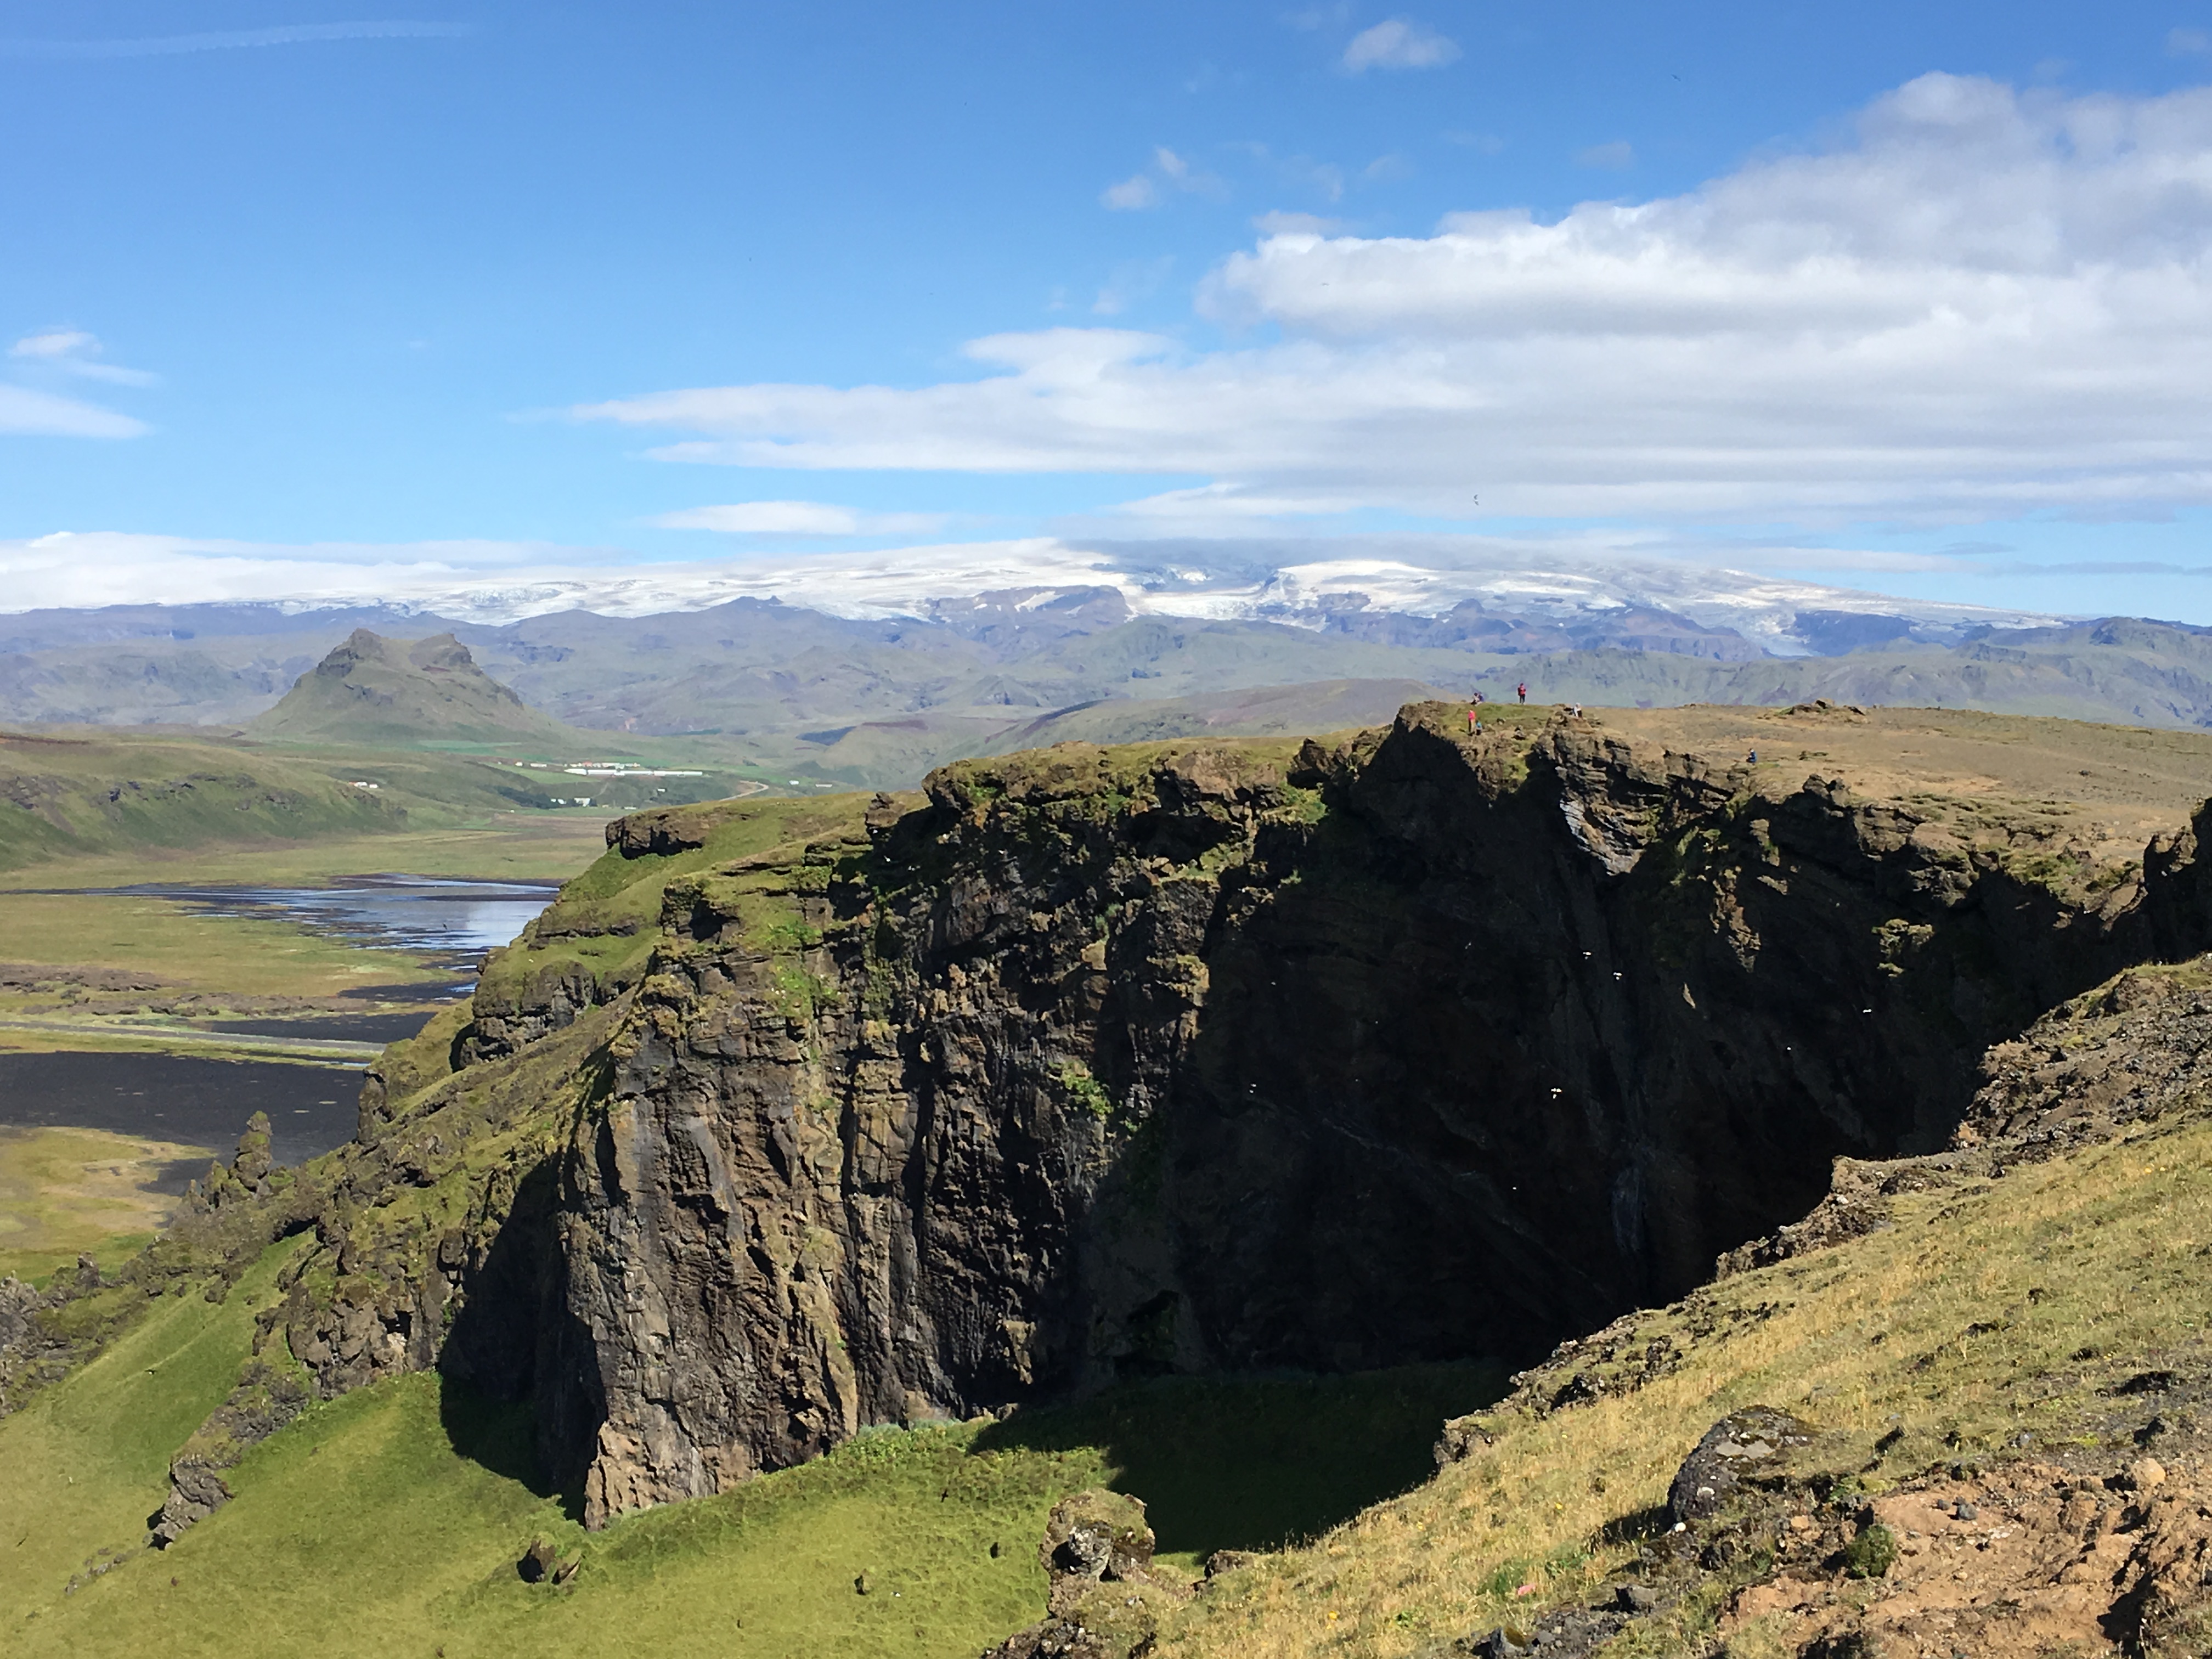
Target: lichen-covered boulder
1751,1443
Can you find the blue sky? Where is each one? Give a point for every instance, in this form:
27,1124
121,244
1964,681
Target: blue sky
507,279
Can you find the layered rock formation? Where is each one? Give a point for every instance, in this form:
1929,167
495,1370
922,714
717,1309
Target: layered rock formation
791,1117
1101,1064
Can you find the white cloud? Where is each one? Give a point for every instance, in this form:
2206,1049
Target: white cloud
1986,303
798,519
2182,43
1399,43
1137,190
28,413
73,351
1618,154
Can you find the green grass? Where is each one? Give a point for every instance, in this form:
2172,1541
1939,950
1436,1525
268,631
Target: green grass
517,846
391,1521
87,1462
70,1192
192,951
369,1526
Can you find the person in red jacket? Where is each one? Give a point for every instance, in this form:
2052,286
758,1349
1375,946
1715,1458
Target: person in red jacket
1523,689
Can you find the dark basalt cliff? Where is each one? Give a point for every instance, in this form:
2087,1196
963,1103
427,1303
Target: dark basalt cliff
1099,1063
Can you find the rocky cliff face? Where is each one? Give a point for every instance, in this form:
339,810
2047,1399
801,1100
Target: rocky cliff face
1105,1063
791,1117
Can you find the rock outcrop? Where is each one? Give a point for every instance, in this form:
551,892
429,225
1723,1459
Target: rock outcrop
1106,1598
1103,1063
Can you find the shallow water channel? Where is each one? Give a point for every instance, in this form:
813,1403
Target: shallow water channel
455,923
206,1101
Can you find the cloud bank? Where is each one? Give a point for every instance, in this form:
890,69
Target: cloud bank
1985,303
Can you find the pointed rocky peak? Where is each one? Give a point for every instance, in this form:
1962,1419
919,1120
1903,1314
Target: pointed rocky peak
374,690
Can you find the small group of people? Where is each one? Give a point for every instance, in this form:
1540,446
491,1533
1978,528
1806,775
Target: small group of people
1475,702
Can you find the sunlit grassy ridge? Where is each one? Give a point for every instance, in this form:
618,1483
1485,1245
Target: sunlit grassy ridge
1957,1326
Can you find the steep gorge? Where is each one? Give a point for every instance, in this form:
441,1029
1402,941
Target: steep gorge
793,1117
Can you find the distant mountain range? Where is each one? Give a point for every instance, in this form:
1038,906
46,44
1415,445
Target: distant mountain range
1196,640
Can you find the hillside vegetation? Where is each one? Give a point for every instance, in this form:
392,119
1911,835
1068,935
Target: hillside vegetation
382,737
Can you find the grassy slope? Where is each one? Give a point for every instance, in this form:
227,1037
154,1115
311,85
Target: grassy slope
67,794
1930,1327
68,1192
88,1462
394,1516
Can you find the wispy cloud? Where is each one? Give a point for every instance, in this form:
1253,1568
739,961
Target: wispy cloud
1133,280
289,34
1132,194
73,351
49,357
1617,155
1168,172
26,413
798,519
1399,43
2187,43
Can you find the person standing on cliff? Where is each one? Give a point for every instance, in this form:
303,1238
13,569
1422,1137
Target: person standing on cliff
1523,689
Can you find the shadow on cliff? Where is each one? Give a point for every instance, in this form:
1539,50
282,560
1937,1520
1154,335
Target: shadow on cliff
1255,1463
497,1435
513,1397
